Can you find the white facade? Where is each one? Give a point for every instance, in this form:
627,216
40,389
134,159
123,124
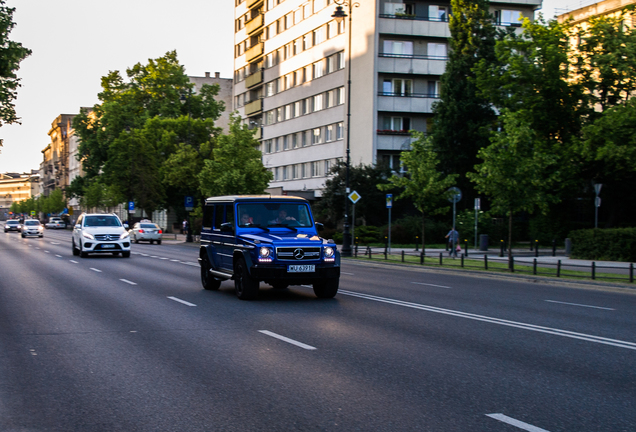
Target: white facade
291,79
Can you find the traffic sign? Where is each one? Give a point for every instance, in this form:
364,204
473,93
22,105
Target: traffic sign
131,206
389,200
354,197
456,195
189,203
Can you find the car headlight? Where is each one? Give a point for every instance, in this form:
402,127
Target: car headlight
329,252
264,252
40,228
88,236
124,235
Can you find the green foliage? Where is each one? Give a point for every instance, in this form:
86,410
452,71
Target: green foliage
422,183
237,167
605,245
463,117
56,201
11,54
366,234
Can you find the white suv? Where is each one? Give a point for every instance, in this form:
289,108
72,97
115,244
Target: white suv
100,233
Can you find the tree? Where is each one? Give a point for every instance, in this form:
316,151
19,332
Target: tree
56,201
11,54
463,117
423,183
516,173
237,166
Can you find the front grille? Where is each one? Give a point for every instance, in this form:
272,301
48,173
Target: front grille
298,253
106,237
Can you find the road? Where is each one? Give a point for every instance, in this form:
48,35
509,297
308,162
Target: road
135,344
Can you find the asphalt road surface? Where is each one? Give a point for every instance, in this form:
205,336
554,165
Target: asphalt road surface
135,344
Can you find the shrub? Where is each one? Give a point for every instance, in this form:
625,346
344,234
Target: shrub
604,244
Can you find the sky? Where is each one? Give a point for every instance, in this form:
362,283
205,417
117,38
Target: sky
76,42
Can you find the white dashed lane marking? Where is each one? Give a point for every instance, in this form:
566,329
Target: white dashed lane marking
516,423
96,270
182,301
580,305
437,286
128,282
288,340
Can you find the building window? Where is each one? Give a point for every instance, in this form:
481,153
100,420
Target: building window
269,117
268,146
320,35
398,48
318,5
298,15
298,46
318,106
319,69
270,88
508,18
316,169
307,41
340,131
327,166
436,50
398,124
329,133
397,87
316,137
437,13
433,89
341,96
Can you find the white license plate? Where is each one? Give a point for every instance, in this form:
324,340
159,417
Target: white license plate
305,268
108,246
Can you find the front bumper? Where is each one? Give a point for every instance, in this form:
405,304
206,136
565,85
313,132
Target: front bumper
278,272
31,233
92,246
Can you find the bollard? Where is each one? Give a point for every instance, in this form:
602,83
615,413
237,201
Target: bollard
501,249
553,247
593,270
417,243
369,251
559,268
385,252
485,262
536,248
440,259
466,246
534,267
356,251
402,256
511,264
462,261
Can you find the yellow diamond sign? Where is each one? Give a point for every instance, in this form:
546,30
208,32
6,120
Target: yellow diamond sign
354,197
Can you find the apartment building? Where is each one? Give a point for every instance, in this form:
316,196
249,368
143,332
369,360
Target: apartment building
55,167
16,187
582,15
224,95
291,73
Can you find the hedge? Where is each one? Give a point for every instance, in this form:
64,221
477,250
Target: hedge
604,244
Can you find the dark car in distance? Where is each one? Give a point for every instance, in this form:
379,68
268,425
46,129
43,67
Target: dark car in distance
264,238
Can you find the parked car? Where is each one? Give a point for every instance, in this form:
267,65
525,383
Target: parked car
12,225
55,223
146,231
32,227
100,233
265,238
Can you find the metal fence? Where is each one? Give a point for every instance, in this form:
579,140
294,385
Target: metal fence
478,261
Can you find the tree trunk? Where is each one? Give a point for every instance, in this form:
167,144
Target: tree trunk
510,240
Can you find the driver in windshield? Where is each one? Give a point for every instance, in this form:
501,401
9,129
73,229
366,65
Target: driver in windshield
246,219
282,217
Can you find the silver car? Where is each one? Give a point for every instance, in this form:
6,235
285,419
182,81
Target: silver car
32,227
146,231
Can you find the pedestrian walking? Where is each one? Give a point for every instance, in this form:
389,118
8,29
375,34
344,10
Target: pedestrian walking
453,239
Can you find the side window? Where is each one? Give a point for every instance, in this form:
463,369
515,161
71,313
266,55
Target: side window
218,216
229,216
79,220
208,215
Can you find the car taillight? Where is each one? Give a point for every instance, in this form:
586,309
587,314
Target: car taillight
160,231
141,231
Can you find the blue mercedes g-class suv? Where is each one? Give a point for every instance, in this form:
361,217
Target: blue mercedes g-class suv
273,239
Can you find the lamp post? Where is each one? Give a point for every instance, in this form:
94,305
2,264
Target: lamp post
340,15
183,99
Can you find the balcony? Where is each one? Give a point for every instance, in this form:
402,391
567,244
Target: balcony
254,52
255,24
411,64
405,103
254,79
253,107
251,3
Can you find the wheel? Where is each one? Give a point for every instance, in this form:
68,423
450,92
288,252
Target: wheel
82,253
245,286
152,242
158,241
326,288
126,254
23,236
208,281
76,251
41,235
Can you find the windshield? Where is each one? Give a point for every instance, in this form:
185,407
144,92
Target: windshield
101,221
32,223
274,215
12,222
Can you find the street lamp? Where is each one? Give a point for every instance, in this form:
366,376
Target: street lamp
340,15
183,99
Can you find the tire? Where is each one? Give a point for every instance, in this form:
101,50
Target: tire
76,251
326,288
126,254
23,236
152,242
208,281
136,240
158,241
82,253
245,286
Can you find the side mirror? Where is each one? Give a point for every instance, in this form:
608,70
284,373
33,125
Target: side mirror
319,226
227,227
126,226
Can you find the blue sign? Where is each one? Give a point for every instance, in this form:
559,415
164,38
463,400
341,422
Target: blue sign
131,206
389,200
189,203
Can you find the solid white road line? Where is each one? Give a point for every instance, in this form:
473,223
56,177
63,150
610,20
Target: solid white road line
182,301
349,274
524,326
96,270
576,304
288,340
174,260
437,286
128,282
516,423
